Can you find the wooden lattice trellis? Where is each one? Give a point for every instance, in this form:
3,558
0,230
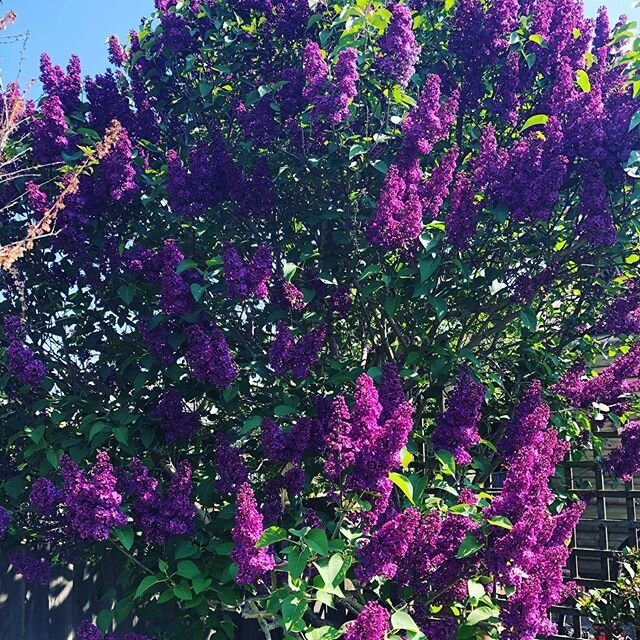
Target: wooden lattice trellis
609,524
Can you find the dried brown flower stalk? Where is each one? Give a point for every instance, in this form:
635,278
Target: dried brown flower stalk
10,253
7,19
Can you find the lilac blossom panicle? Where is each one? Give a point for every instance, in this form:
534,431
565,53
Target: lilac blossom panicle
160,515
5,520
399,49
117,171
65,86
372,623
93,504
46,497
340,454
529,422
252,563
230,466
390,392
49,131
285,447
461,219
21,360
288,356
252,279
31,568
381,554
285,294
117,55
176,421
612,382
209,357
88,631
457,428
624,462
435,190
622,316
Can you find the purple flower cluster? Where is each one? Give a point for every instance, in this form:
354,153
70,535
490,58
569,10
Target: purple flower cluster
399,50
372,623
230,466
88,631
288,356
117,172
46,497
66,86
531,555
283,447
435,190
363,448
176,421
285,294
93,503
252,279
209,357
252,563
160,516
49,131
624,462
528,424
622,316
31,568
607,387
5,521
290,483
21,361
117,55
457,428
330,99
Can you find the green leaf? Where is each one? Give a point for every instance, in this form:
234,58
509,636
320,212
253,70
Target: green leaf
448,462
188,569
125,536
104,620
127,292
297,561
185,265
534,121
468,547
181,592
476,590
480,614
289,270
318,541
323,633
52,459
329,568
146,583
356,150
529,319
582,78
500,521
428,267
404,484
197,291
635,121
401,620
271,536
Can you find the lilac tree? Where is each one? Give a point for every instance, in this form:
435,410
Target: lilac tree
293,284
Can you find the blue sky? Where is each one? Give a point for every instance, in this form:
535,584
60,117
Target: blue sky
64,27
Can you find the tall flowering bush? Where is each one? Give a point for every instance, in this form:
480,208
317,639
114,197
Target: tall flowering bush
303,305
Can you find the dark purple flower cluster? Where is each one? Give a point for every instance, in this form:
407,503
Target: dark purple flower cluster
5,521
624,462
88,631
93,503
622,316
21,361
108,102
288,356
285,294
531,555
283,447
360,446
290,483
258,122
230,466
457,428
31,568
612,382
340,302
435,190
66,86
46,497
399,50
252,279
117,172
157,341
210,178
117,55
175,420
330,99
252,563
528,423
49,131
160,516
372,623
209,357
36,198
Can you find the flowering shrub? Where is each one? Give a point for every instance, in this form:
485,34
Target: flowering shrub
296,288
